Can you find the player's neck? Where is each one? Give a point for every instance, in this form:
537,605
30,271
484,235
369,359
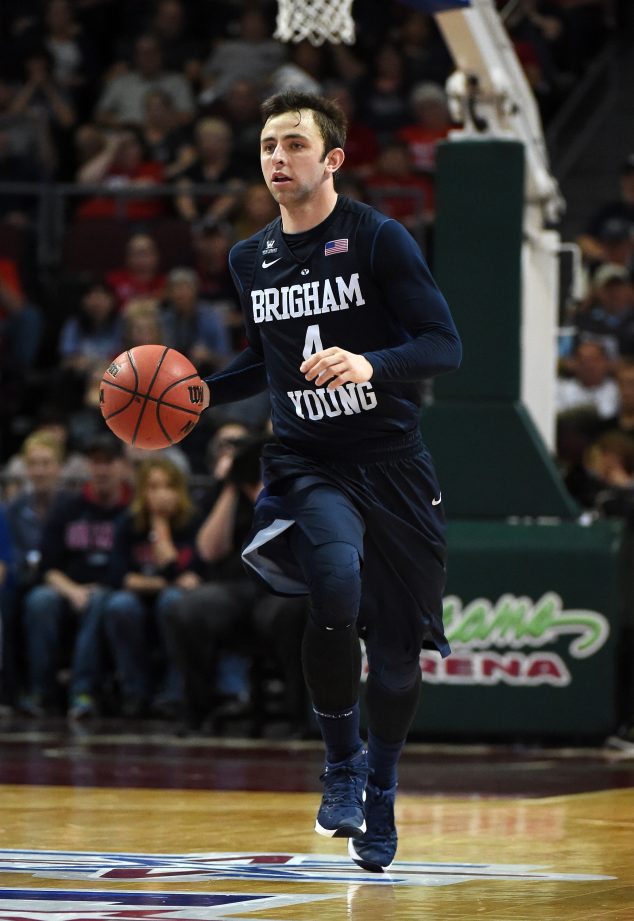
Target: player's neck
301,216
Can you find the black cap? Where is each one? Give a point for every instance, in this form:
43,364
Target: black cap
615,229
104,446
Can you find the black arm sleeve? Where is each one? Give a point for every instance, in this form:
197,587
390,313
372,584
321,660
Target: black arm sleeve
243,377
413,298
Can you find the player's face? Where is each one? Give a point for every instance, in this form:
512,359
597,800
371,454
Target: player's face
292,157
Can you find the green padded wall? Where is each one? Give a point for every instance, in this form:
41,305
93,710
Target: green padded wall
477,262
491,460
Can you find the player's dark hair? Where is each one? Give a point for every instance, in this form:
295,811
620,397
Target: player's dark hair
329,116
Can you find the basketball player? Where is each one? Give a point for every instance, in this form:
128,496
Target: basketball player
344,321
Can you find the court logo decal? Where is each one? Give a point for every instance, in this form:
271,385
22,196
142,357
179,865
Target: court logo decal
269,868
62,905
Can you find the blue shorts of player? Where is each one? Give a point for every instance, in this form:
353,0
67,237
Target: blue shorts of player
384,511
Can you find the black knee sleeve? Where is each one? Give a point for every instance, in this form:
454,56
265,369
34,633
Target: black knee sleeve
391,712
331,660
335,588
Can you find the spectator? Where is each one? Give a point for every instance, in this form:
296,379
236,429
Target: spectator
142,322
397,190
192,326
166,142
121,102
85,422
181,50
545,92
211,250
77,543
26,154
605,483
613,222
303,71
240,108
6,558
20,326
213,164
42,99
362,145
592,384
254,55
73,56
141,275
584,25
384,94
90,338
222,449
577,430
53,421
616,241
16,208
608,316
623,418
89,142
219,614
26,514
424,53
257,210
428,103
153,564
123,163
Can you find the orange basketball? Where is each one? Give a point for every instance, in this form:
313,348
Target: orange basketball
151,396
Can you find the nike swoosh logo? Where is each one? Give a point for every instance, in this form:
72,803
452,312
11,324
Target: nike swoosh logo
265,265
437,501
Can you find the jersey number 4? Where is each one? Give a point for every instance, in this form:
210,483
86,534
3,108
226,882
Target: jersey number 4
313,341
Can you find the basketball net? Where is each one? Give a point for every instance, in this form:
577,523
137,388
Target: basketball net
315,20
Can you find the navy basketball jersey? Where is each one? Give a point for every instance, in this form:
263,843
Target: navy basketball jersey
357,281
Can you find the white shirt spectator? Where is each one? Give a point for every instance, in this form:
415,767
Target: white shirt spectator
124,97
572,394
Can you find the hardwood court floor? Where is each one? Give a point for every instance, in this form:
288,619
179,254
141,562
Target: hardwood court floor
113,826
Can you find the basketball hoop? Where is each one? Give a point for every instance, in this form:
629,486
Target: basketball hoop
315,20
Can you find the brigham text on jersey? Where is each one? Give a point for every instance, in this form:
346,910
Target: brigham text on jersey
310,299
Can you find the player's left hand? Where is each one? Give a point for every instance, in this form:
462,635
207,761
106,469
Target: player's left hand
335,367
206,395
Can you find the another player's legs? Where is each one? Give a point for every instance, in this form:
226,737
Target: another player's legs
331,660
390,715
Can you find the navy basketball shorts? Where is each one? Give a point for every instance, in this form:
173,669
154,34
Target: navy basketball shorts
389,510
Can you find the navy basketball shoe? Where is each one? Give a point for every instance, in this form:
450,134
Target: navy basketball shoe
341,812
376,850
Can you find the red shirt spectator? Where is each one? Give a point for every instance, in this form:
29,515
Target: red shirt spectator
394,174
431,124
141,274
122,163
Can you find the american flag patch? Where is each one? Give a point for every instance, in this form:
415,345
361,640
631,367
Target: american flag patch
335,246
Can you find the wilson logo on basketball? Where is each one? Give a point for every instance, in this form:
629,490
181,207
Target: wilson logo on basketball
195,394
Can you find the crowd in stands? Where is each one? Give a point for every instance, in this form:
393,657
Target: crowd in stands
595,389
111,558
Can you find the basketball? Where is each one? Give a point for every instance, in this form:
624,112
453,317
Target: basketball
151,396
